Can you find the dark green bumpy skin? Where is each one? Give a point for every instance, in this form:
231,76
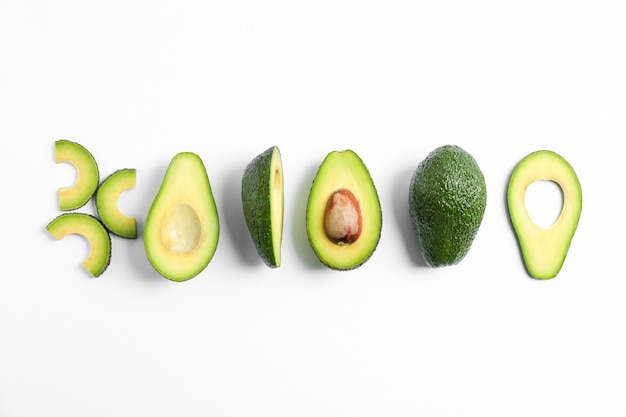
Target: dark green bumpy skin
447,200
255,197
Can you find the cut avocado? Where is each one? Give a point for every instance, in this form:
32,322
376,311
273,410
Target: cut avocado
107,203
262,197
544,249
87,174
447,201
182,226
93,230
343,215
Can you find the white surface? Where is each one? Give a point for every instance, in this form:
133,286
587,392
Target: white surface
137,81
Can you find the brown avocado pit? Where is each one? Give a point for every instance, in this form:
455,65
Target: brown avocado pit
343,220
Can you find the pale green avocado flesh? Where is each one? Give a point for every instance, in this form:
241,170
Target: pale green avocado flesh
182,226
87,174
107,203
343,215
544,249
93,230
262,196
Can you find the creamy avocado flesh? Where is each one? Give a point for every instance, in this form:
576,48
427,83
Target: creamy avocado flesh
544,249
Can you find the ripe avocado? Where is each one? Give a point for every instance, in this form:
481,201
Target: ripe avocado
447,201
93,230
182,226
343,215
87,174
107,198
262,198
544,249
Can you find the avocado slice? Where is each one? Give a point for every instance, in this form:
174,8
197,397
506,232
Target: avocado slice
544,249
87,174
447,201
262,196
93,230
343,215
107,199
182,226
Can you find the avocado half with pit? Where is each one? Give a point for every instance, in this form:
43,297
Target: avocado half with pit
544,249
93,230
343,215
107,203
87,174
182,226
262,196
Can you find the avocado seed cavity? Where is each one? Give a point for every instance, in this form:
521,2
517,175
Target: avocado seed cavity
343,220
181,229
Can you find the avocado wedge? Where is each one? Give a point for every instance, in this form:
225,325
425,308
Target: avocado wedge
544,249
107,203
182,226
93,230
87,174
262,196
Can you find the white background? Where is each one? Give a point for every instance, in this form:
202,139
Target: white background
138,81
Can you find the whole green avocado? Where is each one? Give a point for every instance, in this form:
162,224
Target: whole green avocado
447,201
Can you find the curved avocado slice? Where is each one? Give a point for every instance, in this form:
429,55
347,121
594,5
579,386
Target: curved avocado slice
107,199
262,196
182,226
93,230
87,174
343,215
447,201
544,249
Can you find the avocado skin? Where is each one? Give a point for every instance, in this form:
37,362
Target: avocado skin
447,201
256,202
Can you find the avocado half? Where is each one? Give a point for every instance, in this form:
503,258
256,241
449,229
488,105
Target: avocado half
343,215
262,196
93,230
87,174
544,249
182,226
107,203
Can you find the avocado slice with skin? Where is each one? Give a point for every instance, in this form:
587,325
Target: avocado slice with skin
262,196
182,226
87,174
544,249
93,230
107,203
343,215
447,201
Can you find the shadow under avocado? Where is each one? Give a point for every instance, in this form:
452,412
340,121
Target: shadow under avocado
234,220
403,218
299,233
